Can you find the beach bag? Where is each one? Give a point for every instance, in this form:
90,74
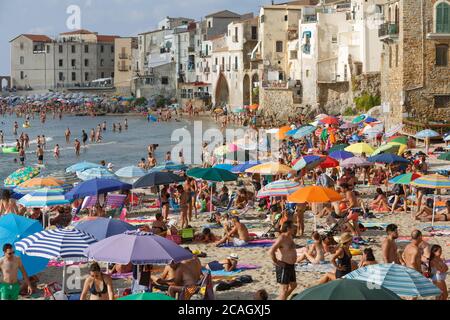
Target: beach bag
223,286
187,234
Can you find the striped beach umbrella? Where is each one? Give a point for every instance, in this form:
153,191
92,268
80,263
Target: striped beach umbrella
20,176
278,188
41,183
394,130
95,173
401,280
308,162
432,181
406,178
43,198
304,132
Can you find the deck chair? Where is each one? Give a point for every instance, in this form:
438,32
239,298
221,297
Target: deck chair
204,288
229,206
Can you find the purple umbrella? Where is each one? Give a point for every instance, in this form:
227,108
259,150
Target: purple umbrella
355,162
102,228
139,248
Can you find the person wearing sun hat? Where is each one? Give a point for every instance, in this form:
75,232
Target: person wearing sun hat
342,259
230,264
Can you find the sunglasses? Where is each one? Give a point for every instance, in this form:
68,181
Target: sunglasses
10,253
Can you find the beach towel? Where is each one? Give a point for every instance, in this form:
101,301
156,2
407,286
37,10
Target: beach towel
59,264
252,244
428,227
374,225
440,233
320,268
406,239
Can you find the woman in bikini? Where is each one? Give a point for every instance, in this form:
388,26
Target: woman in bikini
342,260
165,202
99,286
438,270
8,205
380,203
315,253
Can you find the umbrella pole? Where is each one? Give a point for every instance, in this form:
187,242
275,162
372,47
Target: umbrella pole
64,279
210,200
434,210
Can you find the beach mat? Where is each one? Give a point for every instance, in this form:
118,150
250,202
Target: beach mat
320,268
252,244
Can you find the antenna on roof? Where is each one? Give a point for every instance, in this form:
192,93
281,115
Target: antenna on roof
273,2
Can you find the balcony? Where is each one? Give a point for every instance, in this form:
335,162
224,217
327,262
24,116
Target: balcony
191,49
123,56
124,68
228,67
388,31
206,70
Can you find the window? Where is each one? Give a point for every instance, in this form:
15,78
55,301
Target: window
86,76
390,57
22,60
285,18
236,63
396,55
73,63
21,46
209,25
334,38
181,67
102,75
60,49
293,54
112,74
48,49
254,33
442,55
263,18
74,76
61,63
307,73
102,48
165,80
112,49
102,62
442,101
443,18
74,50
279,46
22,76
86,62
61,76
86,49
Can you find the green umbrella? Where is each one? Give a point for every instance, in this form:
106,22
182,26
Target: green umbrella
338,147
359,119
387,148
445,156
345,289
212,174
147,296
402,140
21,175
406,178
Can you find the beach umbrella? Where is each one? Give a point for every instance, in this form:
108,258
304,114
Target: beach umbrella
102,228
329,163
224,166
278,188
270,169
308,162
370,120
348,125
346,289
387,158
360,148
131,172
427,134
338,147
329,120
281,134
355,162
447,138
169,166
341,155
303,132
95,187
314,194
14,228
406,178
242,155
241,168
445,156
212,174
399,139
359,119
82,166
403,281
20,176
64,244
157,179
146,296
394,130
43,198
387,148
138,248
95,173
40,183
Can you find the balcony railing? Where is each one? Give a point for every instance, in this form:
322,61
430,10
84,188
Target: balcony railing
123,56
228,67
124,68
206,70
388,31
275,84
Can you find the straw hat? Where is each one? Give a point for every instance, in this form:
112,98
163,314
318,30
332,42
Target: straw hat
344,238
233,256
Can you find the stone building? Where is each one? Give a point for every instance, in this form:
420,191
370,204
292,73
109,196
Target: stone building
126,66
73,59
415,75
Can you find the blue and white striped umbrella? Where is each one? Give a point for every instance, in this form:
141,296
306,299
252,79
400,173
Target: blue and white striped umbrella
42,198
131,172
81,166
403,281
278,188
95,173
66,244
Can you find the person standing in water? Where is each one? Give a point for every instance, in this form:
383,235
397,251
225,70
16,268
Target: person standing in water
15,127
67,134
126,124
77,147
2,137
40,154
56,152
22,156
84,137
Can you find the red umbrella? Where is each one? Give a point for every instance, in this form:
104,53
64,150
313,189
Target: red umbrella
329,163
330,120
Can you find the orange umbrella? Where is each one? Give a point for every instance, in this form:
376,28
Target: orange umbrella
314,194
281,135
42,183
254,107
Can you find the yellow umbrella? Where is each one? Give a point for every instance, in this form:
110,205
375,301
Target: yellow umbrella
42,183
360,148
270,168
402,147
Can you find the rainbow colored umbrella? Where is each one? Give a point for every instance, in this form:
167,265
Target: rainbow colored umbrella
432,181
406,178
20,176
278,188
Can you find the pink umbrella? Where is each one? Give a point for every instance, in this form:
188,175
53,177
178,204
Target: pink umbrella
355,162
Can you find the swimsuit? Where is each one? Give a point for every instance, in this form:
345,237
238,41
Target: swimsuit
286,274
94,291
9,291
346,262
438,276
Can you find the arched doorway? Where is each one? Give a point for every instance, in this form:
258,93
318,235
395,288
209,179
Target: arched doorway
246,90
255,89
4,83
222,91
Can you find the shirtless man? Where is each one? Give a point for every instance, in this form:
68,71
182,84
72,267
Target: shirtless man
183,206
10,266
412,256
184,277
285,266
238,234
40,154
389,247
77,147
67,134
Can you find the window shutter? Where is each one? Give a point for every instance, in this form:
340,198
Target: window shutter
443,18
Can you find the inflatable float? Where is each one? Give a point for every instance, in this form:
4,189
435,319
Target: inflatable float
26,126
9,150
